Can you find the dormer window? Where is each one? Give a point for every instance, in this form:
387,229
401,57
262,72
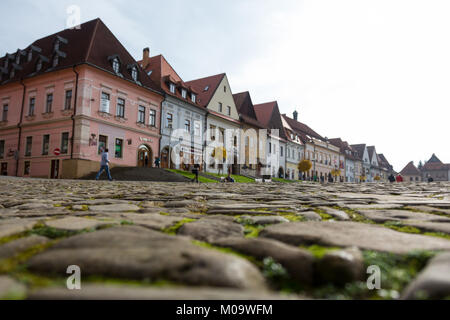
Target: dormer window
39,65
172,87
134,74
184,93
193,98
30,55
116,65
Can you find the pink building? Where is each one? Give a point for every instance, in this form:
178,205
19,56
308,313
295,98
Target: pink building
70,95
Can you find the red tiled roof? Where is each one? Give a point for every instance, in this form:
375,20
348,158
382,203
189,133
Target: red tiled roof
410,170
92,44
269,116
163,73
211,83
264,112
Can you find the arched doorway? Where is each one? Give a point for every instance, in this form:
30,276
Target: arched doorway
145,157
281,173
165,158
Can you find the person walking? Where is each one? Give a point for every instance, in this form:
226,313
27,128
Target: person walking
391,178
399,178
104,165
196,171
157,162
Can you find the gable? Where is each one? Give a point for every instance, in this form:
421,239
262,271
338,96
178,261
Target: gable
224,96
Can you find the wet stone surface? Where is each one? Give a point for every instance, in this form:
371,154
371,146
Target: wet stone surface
222,241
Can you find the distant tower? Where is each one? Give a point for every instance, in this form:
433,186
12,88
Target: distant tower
295,115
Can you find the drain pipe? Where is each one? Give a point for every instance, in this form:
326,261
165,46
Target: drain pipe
20,127
74,112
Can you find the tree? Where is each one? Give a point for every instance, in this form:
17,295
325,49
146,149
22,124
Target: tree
335,173
304,165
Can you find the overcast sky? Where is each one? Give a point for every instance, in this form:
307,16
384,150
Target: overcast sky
374,72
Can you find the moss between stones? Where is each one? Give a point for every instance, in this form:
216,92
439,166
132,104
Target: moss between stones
227,251
173,229
8,265
323,214
13,237
252,230
355,216
319,251
397,226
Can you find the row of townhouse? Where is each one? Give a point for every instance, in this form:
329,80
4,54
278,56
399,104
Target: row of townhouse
71,95
432,170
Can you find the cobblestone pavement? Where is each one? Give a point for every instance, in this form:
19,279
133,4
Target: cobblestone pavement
138,240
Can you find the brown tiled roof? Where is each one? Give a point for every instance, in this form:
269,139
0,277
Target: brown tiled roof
206,87
246,109
161,71
344,148
92,44
410,170
435,164
359,148
302,129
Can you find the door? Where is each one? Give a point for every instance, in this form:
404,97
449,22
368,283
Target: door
165,158
144,157
54,174
4,169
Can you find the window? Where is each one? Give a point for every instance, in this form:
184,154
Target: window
141,114
48,105
29,143
281,151
172,88
197,129
229,110
45,144
235,141
65,143
12,74
134,73
18,58
120,110
119,146
187,126
270,147
225,89
5,113
31,109
39,65
193,98
222,135
2,149
212,133
220,107
26,168
102,143
169,120
104,104
68,100
152,118
30,55
116,65
184,93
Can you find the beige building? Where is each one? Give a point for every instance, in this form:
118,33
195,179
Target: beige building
410,173
214,94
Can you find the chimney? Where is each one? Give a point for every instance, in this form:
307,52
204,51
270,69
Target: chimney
296,115
145,58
